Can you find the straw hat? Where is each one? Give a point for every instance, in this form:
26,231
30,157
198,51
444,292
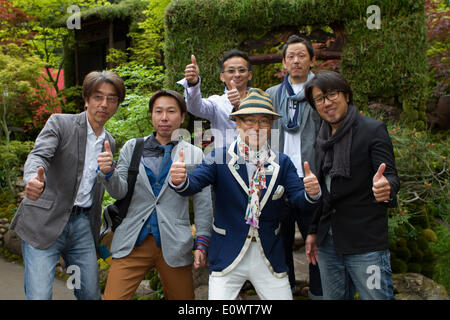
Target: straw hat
257,101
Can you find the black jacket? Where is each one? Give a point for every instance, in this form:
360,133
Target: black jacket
359,223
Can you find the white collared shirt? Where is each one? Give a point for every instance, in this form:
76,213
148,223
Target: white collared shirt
94,146
292,140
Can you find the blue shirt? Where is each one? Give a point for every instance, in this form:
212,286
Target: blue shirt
157,171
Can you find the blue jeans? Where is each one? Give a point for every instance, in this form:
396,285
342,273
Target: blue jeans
76,246
369,273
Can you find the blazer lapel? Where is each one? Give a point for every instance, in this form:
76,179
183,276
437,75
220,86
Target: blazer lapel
239,171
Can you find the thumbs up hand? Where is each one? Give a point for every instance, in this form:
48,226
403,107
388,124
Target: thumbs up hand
105,159
178,170
310,181
192,71
381,187
233,95
35,186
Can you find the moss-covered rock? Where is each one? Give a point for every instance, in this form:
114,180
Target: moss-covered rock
398,266
430,235
403,253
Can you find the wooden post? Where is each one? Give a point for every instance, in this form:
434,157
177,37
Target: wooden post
111,41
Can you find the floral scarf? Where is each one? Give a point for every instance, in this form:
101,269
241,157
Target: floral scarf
258,180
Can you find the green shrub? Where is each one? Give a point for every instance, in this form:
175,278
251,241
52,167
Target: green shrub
414,267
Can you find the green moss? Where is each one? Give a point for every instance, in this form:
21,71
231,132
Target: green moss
430,235
398,266
402,242
412,244
416,255
403,253
422,243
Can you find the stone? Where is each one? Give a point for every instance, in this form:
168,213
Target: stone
13,243
200,276
2,230
3,220
1,236
415,286
201,292
144,289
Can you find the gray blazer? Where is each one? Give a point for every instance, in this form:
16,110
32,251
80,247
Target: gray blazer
309,129
60,149
173,210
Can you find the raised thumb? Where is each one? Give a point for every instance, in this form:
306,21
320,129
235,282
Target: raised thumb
232,85
380,172
40,174
181,157
193,60
307,169
107,147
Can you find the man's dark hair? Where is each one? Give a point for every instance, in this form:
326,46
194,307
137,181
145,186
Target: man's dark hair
327,81
235,53
297,39
168,93
95,78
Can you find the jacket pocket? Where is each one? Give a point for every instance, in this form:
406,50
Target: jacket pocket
278,193
219,230
40,203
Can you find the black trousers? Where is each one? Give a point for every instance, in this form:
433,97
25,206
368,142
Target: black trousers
290,216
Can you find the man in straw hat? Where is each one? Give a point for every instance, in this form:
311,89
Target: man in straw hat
249,180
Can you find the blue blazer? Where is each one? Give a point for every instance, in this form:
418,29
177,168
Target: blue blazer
231,236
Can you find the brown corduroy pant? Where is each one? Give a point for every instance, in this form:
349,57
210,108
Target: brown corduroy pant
125,274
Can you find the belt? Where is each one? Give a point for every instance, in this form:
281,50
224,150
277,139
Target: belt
76,210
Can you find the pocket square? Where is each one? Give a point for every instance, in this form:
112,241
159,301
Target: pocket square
278,193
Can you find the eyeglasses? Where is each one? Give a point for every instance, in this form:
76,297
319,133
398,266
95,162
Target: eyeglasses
109,99
331,96
239,70
263,123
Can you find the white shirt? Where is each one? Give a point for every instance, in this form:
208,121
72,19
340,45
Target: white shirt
292,140
216,109
94,146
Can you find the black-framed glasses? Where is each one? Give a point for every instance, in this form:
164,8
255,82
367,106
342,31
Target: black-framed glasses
331,96
239,70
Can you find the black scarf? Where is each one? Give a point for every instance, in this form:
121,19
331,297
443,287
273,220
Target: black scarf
335,149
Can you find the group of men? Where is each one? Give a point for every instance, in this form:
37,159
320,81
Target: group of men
298,153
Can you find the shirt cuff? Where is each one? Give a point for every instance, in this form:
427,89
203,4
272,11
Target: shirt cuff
314,199
181,187
202,243
110,173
